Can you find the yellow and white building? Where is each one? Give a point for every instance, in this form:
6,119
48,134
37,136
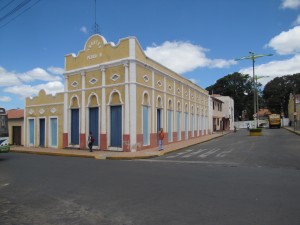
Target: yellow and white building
122,97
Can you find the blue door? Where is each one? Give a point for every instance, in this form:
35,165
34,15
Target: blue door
31,132
178,126
42,132
116,126
170,126
158,119
53,127
186,125
94,124
145,125
75,126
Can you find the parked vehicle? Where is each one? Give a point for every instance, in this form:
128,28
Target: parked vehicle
4,140
274,121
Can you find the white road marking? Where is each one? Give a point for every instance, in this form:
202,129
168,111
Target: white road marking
233,164
212,151
179,154
194,153
224,153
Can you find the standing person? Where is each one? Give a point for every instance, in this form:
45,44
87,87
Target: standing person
91,141
160,139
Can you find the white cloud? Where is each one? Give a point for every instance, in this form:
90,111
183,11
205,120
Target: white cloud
195,81
287,42
5,99
37,74
56,70
297,21
275,69
84,30
8,78
183,57
28,90
291,4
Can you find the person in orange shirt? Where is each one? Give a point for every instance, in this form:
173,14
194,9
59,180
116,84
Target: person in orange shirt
160,139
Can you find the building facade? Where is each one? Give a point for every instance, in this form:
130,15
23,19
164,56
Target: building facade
16,126
227,111
122,97
217,114
294,110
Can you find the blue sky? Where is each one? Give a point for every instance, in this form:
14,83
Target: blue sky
199,39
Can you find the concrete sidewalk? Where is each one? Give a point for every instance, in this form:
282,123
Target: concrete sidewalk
291,129
97,154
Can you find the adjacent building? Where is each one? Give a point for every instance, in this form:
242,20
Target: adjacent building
122,97
227,111
294,110
16,126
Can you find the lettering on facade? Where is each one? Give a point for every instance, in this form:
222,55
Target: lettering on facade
93,56
94,42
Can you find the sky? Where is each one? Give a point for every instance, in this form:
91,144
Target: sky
199,39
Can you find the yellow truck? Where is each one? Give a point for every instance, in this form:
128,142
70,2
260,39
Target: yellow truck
274,121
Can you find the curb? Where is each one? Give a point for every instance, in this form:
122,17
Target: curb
53,154
125,157
292,131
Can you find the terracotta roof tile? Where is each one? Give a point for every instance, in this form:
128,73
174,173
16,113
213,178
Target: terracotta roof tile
15,113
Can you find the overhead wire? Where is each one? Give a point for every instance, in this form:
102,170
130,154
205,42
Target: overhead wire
14,10
19,13
6,5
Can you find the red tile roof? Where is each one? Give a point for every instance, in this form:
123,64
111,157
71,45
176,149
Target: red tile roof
15,113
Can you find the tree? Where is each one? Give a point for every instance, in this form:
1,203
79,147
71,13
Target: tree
239,87
277,92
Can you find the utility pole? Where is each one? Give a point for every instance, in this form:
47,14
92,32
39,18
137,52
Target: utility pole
252,57
256,78
295,112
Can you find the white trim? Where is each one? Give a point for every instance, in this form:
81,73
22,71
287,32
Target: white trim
132,104
132,48
103,104
153,105
83,117
127,101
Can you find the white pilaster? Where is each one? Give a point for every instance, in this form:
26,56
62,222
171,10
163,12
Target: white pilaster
153,104
132,104
127,100
103,103
165,105
66,105
82,128
174,108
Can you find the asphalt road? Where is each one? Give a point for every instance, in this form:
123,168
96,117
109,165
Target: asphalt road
236,180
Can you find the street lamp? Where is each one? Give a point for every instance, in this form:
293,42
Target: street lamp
252,57
256,78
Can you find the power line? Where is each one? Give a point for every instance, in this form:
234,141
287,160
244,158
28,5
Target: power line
14,10
19,14
6,5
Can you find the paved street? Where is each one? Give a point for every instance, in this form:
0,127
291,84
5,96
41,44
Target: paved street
235,179
276,148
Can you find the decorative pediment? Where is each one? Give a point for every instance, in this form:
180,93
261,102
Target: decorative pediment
95,42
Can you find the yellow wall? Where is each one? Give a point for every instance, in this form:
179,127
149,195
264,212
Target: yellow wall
97,51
